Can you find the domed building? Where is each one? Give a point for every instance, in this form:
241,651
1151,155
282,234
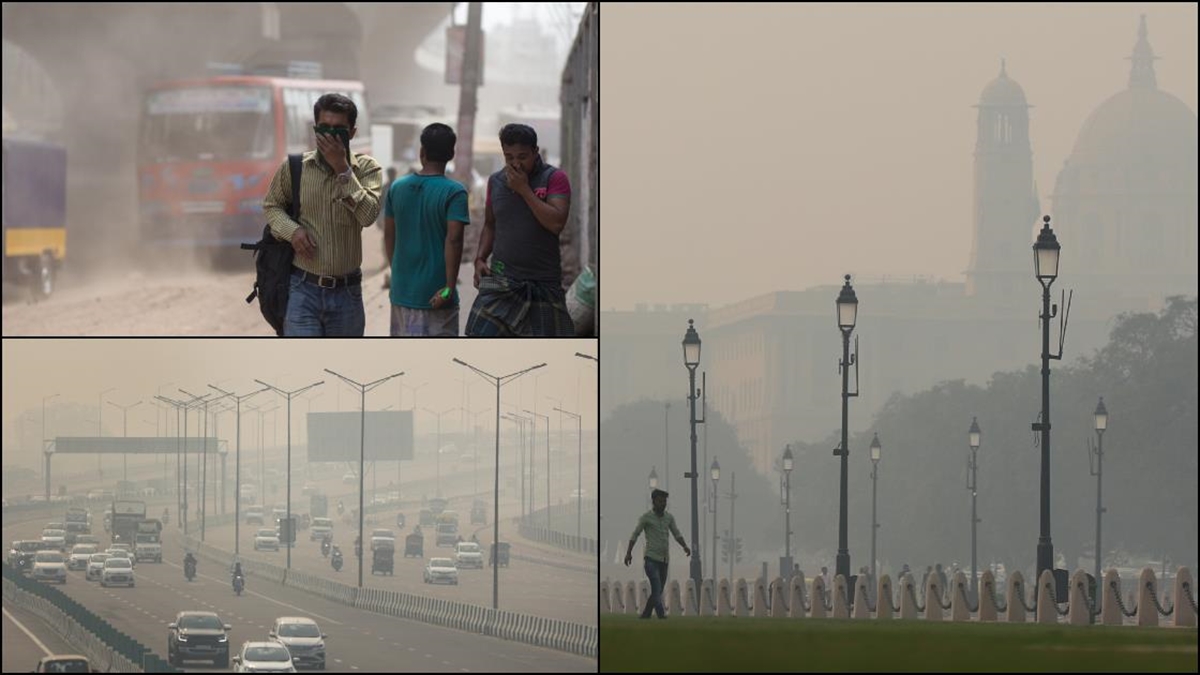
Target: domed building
1124,204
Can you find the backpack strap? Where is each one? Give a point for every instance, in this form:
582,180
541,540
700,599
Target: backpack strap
295,164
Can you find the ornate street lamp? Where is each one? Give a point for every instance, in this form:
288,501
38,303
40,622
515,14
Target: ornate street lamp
1101,424
714,472
875,451
973,485
847,309
786,572
691,359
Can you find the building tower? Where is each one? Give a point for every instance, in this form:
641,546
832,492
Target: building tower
1005,206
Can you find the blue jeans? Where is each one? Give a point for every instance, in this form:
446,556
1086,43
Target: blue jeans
657,573
323,312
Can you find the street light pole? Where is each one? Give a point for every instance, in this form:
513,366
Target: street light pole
100,425
787,513
875,451
847,306
715,472
237,462
438,450
653,487
43,457
125,432
579,472
1101,419
1045,256
973,435
547,418
499,381
667,445
691,359
362,453
291,524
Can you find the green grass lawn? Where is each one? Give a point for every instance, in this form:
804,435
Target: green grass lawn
748,645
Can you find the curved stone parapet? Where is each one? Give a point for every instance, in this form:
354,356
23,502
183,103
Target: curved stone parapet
987,596
690,599
817,599
883,598
1110,608
960,609
631,599
618,598
707,600
760,598
643,593
840,610
674,599
933,595
908,597
778,601
796,596
1047,611
1015,598
1079,611
724,603
1185,615
741,601
1147,614
861,611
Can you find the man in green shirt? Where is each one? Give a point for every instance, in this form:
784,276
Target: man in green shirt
656,524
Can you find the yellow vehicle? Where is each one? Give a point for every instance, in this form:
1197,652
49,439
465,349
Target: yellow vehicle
35,212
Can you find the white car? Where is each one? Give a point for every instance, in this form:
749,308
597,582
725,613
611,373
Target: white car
303,639
263,657
121,551
49,566
95,566
117,571
319,528
468,554
88,539
266,539
441,571
79,556
55,538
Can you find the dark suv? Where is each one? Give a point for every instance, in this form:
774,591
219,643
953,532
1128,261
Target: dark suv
199,636
22,552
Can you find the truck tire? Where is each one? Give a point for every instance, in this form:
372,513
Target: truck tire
45,279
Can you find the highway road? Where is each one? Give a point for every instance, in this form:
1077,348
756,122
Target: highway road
357,640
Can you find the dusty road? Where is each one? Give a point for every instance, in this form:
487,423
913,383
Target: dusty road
195,303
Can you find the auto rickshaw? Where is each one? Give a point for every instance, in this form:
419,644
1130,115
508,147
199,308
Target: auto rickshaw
499,554
382,561
414,546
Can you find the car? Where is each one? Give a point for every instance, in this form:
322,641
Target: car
319,528
349,478
49,566
117,571
80,553
95,566
56,538
22,551
382,538
266,538
263,657
64,663
198,636
88,539
441,571
303,639
254,515
55,526
121,551
468,554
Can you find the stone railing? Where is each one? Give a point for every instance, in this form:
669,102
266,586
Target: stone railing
796,599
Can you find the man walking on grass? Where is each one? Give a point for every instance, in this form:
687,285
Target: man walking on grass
656,523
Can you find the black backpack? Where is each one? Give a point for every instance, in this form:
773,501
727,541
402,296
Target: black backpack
273,262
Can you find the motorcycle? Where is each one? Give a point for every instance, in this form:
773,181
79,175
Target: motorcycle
336,561
189,570
238,584
325,547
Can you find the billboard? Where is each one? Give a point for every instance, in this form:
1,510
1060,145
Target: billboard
335,436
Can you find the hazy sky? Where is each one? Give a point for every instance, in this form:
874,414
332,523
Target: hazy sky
80,369
758,148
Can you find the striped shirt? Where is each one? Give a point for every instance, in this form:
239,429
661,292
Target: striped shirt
333,225
658,546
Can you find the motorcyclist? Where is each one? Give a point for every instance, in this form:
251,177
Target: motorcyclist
189,564
341,507
475,538
336,559
326,542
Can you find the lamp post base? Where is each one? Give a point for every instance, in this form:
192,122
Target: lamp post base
1045,560
843,565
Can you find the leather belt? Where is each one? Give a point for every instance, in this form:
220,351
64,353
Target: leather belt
325,281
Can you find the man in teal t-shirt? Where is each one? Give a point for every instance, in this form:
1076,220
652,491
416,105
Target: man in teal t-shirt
424,217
